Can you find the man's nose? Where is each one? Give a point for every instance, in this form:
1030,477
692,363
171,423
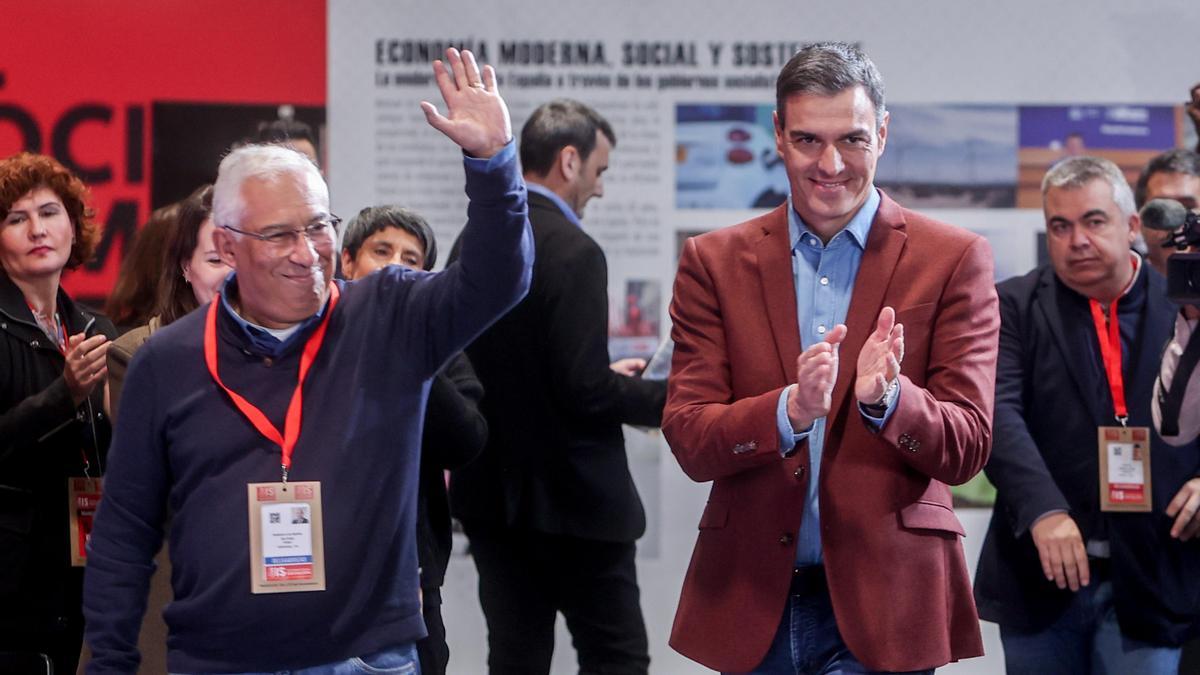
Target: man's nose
1079,238
303,252
830,162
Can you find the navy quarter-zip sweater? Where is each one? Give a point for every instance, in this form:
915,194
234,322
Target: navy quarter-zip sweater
182,447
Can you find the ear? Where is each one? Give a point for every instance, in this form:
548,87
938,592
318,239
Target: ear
882,132
226,242
186,269
569,163
778,133
347,264
1135,227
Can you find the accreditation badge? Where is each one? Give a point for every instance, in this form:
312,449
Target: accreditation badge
83,495
1124,469
287,552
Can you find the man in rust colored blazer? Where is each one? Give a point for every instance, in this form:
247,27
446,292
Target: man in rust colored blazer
833,372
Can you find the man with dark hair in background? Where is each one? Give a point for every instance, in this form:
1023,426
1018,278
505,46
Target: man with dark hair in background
550,508
1175,174
833,373
292,133
1087,570
454,431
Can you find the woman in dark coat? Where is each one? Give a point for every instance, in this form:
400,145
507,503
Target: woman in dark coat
52,422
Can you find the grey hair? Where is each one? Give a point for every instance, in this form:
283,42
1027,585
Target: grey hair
1075,172
264,162
828,69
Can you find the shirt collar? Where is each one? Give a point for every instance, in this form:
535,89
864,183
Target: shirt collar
857,229
260,339
558,201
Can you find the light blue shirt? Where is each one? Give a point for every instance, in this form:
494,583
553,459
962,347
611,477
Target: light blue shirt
824,275
558,201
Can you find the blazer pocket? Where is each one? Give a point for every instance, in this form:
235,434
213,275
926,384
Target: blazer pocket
924,515
715,515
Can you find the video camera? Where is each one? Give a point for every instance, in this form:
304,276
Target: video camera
1183,228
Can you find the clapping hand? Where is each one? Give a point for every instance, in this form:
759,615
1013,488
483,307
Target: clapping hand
816,373
86,365
879,360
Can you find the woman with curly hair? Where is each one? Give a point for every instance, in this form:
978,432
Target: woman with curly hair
52,424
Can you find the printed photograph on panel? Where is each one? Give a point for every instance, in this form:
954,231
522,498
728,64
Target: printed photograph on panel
634,319
725,158
1129,135
950,156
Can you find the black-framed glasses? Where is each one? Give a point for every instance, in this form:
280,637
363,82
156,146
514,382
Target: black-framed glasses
320,233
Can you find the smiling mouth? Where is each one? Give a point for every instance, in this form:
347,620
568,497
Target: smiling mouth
828,185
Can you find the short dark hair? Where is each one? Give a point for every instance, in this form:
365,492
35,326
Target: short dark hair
376,218
175,295
828,69
1178,160
284,131
555,125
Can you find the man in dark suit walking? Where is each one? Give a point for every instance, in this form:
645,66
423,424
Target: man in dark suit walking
1090,560
550,508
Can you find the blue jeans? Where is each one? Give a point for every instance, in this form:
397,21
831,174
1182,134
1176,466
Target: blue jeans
391,661
807,641
1085,640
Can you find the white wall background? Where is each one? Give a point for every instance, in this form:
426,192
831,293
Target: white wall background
929,51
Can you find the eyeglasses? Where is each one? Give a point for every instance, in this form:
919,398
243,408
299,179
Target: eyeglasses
320,233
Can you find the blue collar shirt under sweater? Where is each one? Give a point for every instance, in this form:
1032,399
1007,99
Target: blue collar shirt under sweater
181,447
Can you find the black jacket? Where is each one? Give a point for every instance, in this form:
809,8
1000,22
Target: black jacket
43,439
1051,395
555,457
454,434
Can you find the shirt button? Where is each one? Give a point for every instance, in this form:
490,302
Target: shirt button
821,329
824,281
785,538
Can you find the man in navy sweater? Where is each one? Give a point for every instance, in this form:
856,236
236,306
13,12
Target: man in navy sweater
290,392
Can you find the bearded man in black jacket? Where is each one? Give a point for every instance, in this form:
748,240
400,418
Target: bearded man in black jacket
550,508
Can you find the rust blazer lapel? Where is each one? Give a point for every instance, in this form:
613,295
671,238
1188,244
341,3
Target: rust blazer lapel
774,252
885,243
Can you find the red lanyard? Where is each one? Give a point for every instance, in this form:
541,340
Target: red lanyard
291,430
1110,351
